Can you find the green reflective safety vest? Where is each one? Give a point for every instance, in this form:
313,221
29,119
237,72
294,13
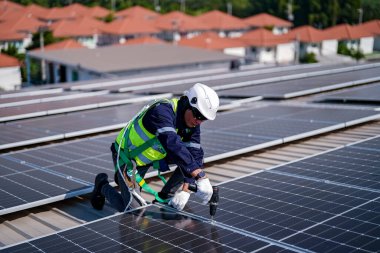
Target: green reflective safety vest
139,144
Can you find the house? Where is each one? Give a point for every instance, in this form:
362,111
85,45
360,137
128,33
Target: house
144,40
212,41
85,30
132,60
373,27
264,20
137,12
312,40
10,75
353,37
17,30
265,47
224,24
120,30
176,25
49,70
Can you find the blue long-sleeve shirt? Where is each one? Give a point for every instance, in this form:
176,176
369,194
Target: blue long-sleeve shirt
183,148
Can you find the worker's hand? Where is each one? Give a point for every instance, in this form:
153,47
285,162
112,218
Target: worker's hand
179,200
204,190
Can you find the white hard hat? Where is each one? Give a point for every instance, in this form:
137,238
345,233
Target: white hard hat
204,99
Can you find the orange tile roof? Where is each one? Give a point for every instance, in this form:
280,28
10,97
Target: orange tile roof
176,20
372,26
137,12
68,12
6,5
222,21
212,41
77,8
65,44
11,36
144,40
307,34
84,26
36,10
23,23
264,19
347,32
130,26
98,12
8,61
263,38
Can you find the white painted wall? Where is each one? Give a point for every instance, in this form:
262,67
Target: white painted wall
329,47
285,53
10,78
236,51
366,45
266,54
279,30
89,42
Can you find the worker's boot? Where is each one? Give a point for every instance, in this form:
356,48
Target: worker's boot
97,198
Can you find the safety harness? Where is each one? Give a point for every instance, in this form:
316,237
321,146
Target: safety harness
126,157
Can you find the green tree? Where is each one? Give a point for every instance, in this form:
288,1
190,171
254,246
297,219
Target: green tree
47,37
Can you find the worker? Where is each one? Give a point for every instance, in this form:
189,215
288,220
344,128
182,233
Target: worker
163,133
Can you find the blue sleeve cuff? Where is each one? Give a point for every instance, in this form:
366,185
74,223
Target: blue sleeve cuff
189,180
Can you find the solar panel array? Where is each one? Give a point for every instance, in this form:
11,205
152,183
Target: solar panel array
304,86
366,94
32,131
282,87
28,110
151,229
276,210
27,175
326,203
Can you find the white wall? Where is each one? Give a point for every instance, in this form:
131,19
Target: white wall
279,30
329,47
285,53
89,42
236,51
265,54
10,78
366,45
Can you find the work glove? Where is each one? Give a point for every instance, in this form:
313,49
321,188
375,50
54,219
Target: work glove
179,200
204,190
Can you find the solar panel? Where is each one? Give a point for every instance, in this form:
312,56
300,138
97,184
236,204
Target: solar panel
71,105
297,205
151,229
32,131
264,212
304,86
80,161
366,94
47,97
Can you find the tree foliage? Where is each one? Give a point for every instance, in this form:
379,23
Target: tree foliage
319,13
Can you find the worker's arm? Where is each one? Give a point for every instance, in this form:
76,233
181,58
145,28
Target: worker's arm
160,120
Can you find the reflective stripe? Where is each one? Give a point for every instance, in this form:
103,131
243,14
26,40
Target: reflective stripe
140,132
166,129
144,159
192,145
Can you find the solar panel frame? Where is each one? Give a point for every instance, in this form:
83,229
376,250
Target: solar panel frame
363,94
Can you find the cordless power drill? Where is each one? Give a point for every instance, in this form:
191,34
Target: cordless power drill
213,201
